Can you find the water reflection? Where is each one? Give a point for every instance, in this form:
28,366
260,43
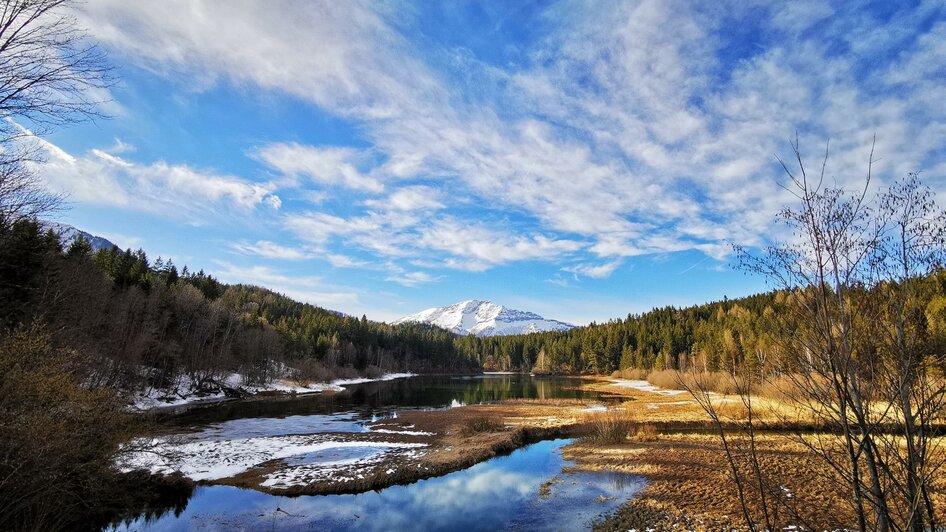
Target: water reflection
349,410
502,493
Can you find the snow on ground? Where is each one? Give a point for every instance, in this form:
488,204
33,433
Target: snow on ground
183,391
405,432
645,387
341,470
385,377
212,460
595,408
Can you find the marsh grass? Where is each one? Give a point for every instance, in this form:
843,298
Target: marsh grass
612,426
480,424
647,432
631,374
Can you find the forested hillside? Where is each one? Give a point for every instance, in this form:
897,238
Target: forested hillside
146,323
716,336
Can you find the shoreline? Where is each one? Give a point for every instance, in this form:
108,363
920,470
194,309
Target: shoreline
417,444
687,477
230,390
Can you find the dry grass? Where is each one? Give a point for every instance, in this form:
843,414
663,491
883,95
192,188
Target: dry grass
689,480
712,381
480,424
690,485
612,426
647,432
633,374
779,387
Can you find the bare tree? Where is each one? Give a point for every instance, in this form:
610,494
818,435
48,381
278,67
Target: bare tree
855,268
49,76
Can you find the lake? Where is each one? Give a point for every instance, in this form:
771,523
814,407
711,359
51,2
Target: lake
349,410
532,488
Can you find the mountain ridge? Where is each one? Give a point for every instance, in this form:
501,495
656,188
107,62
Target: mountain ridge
69,234
485,318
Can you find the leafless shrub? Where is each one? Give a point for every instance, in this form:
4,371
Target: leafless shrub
610,427
647,432
310,370
479,424
373,372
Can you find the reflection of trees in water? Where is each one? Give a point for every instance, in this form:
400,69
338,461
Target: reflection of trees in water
619,481
497,388
380,396
139,496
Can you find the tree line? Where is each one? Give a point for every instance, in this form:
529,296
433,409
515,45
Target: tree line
146,323
718,336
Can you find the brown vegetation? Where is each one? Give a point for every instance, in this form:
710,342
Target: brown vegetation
59,442
612,426
480,424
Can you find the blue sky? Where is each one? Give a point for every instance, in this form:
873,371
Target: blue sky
582,160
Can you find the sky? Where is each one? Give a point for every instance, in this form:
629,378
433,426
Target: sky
582,160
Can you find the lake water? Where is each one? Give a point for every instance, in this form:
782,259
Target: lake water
501,493
350,410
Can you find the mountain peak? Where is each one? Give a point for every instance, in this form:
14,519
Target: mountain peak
69,234
485,318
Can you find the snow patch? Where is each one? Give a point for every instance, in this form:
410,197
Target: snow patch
645,386
405,432
213,460
485,318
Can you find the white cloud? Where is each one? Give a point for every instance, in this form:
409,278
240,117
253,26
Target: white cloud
308,289
174,190
485,246
800,15
595,271
344,56
271,250
617,136
338,260
412,279
414,198
326,166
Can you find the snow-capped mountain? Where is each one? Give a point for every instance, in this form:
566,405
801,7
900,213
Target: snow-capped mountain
68,234
485,318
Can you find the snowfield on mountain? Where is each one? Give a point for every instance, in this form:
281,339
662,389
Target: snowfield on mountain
485,318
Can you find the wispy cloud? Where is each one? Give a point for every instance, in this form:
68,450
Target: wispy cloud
309,289
613,137
325,166
412,279
271,250
595,271
413,198
180,191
